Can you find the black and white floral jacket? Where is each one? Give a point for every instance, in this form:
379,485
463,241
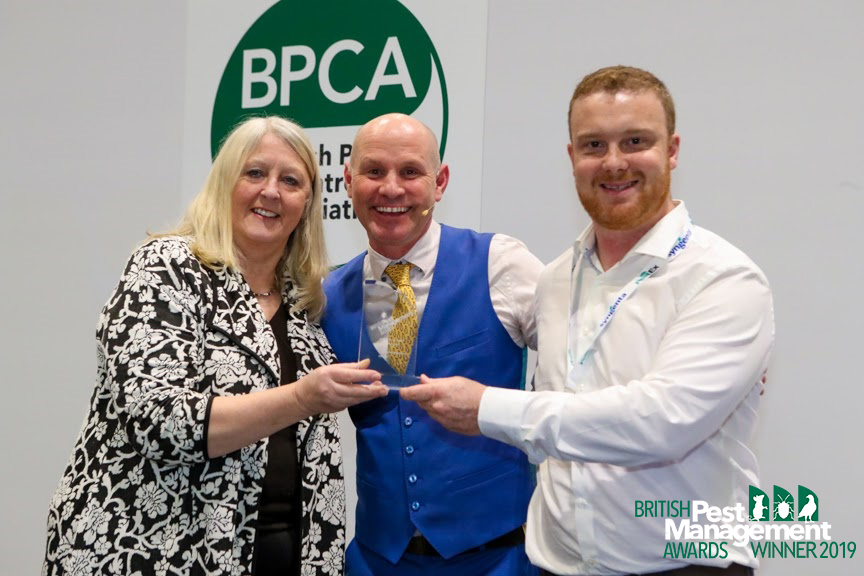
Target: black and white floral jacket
139,495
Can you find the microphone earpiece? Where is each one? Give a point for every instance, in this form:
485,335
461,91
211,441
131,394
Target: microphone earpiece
427,210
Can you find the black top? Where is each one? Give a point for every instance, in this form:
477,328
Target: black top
277,537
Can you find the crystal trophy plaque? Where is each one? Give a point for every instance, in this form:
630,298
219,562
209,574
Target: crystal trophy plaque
377,326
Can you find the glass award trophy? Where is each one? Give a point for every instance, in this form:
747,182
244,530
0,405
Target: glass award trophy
378,326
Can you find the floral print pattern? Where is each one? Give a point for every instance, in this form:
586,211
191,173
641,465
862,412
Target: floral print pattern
139,495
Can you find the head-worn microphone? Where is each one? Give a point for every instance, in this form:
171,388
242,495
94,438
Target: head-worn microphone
429,209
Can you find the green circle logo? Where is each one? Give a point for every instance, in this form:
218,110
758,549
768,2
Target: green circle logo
334,63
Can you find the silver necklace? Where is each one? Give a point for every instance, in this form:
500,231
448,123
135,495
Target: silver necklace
269,292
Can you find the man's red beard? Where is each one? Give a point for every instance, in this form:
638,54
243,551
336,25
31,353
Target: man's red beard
628,215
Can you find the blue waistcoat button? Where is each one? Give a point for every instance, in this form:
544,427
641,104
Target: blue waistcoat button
409,450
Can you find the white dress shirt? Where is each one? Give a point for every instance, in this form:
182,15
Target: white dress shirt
513,274
662,408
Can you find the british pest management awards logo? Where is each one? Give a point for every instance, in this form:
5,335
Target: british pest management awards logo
332,66
771,527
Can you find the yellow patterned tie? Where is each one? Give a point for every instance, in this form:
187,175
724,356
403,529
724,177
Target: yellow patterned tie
404,331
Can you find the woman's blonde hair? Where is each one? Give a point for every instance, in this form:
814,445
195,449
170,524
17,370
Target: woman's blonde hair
208,217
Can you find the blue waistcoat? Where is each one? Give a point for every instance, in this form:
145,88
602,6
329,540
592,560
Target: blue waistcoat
459,491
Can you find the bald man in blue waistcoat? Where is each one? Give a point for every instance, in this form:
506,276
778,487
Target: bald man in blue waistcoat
431,501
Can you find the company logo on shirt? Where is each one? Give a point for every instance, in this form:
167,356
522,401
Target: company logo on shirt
331,68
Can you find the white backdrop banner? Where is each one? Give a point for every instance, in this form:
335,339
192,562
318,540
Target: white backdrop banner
332,66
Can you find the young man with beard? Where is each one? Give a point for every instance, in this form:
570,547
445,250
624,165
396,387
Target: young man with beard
652,334
431,501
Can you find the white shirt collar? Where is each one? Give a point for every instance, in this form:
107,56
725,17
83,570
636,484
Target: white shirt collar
423,254
657,242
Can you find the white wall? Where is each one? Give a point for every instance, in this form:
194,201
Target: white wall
91,102
91,117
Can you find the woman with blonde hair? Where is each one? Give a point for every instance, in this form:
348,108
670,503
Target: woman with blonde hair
210,446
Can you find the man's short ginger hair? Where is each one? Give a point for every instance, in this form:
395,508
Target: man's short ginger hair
615,79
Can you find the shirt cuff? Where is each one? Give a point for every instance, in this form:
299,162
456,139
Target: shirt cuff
500,414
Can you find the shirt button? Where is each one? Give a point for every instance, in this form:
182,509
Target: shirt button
582,504
412,479
409,449
408,421
415,506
